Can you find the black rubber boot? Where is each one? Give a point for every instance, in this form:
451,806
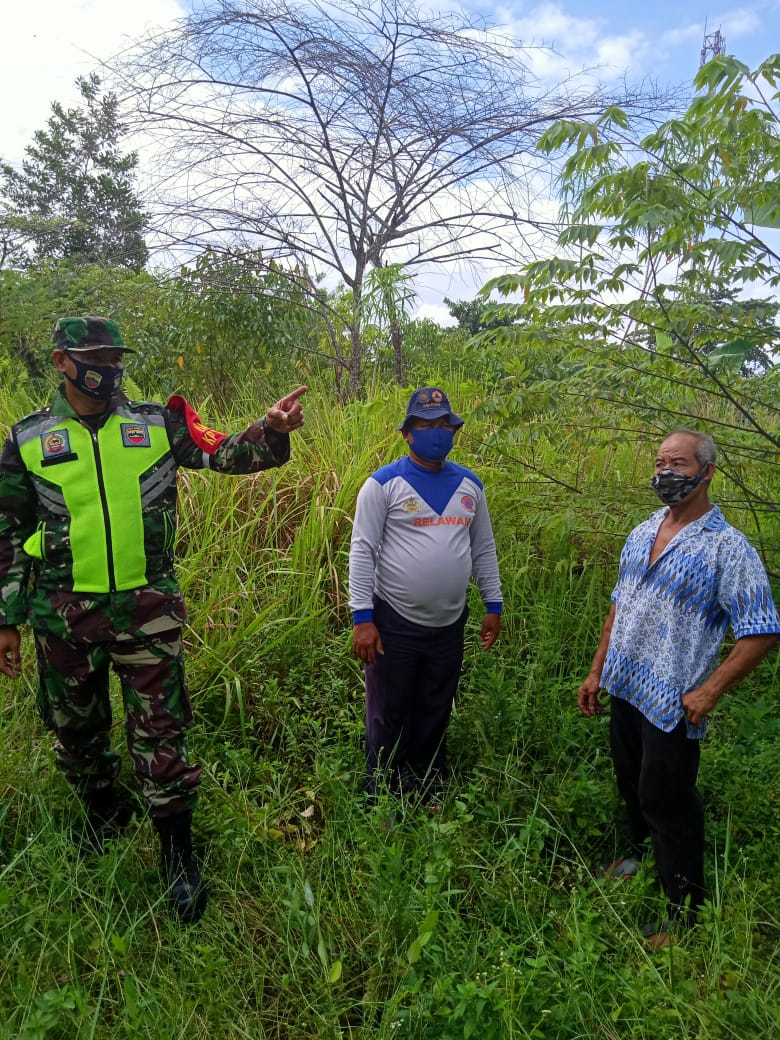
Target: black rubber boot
186,891
108,814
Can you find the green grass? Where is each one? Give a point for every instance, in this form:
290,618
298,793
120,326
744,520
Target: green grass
484,918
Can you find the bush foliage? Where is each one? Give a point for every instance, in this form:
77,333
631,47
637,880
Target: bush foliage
483,918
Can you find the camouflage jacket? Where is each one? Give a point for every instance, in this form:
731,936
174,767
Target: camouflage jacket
92,511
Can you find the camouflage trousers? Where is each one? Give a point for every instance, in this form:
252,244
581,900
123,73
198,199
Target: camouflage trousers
73,699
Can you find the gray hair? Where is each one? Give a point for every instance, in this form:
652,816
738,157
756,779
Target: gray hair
706,450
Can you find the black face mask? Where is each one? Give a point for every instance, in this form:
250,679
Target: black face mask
672,487
98,381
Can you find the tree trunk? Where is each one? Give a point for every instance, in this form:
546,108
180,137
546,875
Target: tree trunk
356,326
398,360
28,359
355,382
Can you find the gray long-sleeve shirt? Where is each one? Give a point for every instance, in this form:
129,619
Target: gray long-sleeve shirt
418,537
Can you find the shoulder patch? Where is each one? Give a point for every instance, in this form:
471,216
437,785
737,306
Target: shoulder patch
135,435
208,440
55,442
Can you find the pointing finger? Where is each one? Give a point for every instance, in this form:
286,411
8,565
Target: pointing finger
287,402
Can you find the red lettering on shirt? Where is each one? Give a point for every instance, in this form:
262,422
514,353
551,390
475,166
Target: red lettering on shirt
437,521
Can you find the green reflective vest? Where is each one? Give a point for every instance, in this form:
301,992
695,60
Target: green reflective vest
95,486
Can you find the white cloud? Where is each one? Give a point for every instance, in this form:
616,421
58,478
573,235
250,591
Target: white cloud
435,313
561,45
688,35
739,22
741,27
618,53
47,44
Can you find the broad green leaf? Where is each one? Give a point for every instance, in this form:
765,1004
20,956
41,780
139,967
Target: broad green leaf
322,951
730,355
430,922
766,215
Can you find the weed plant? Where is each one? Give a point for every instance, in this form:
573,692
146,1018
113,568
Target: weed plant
481,916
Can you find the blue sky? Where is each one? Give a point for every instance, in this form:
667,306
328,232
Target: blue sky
657,39
49,43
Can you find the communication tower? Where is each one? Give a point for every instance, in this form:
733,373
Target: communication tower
713,47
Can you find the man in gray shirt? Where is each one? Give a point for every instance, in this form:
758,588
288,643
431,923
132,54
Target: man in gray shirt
421,531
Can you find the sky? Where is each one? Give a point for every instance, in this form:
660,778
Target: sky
48,43
659,40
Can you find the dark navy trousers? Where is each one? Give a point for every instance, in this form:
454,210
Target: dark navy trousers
656,776
409,696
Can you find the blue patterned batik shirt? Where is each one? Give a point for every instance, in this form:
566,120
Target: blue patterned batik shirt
671,617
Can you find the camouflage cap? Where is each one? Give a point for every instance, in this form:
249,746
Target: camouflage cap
79,334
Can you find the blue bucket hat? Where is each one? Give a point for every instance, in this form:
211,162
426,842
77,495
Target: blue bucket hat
430,403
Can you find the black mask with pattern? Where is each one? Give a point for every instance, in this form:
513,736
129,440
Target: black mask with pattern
672,487
98,381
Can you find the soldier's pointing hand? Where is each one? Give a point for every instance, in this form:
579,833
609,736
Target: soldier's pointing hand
287,415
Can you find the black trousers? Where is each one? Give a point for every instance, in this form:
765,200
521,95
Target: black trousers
656,776
409,696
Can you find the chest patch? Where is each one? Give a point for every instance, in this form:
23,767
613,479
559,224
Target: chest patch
135,435
55,443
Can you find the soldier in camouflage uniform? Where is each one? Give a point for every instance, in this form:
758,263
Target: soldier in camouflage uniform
87,531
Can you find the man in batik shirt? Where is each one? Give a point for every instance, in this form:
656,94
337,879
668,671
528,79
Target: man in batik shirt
685,577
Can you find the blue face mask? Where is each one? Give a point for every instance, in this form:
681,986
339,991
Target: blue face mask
433,444
98,381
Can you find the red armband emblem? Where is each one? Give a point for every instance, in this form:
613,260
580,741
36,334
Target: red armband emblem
208,440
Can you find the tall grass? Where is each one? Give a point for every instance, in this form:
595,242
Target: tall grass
482,917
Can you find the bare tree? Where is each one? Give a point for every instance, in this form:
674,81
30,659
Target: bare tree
347,136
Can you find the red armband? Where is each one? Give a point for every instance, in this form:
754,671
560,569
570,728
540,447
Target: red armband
208,440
